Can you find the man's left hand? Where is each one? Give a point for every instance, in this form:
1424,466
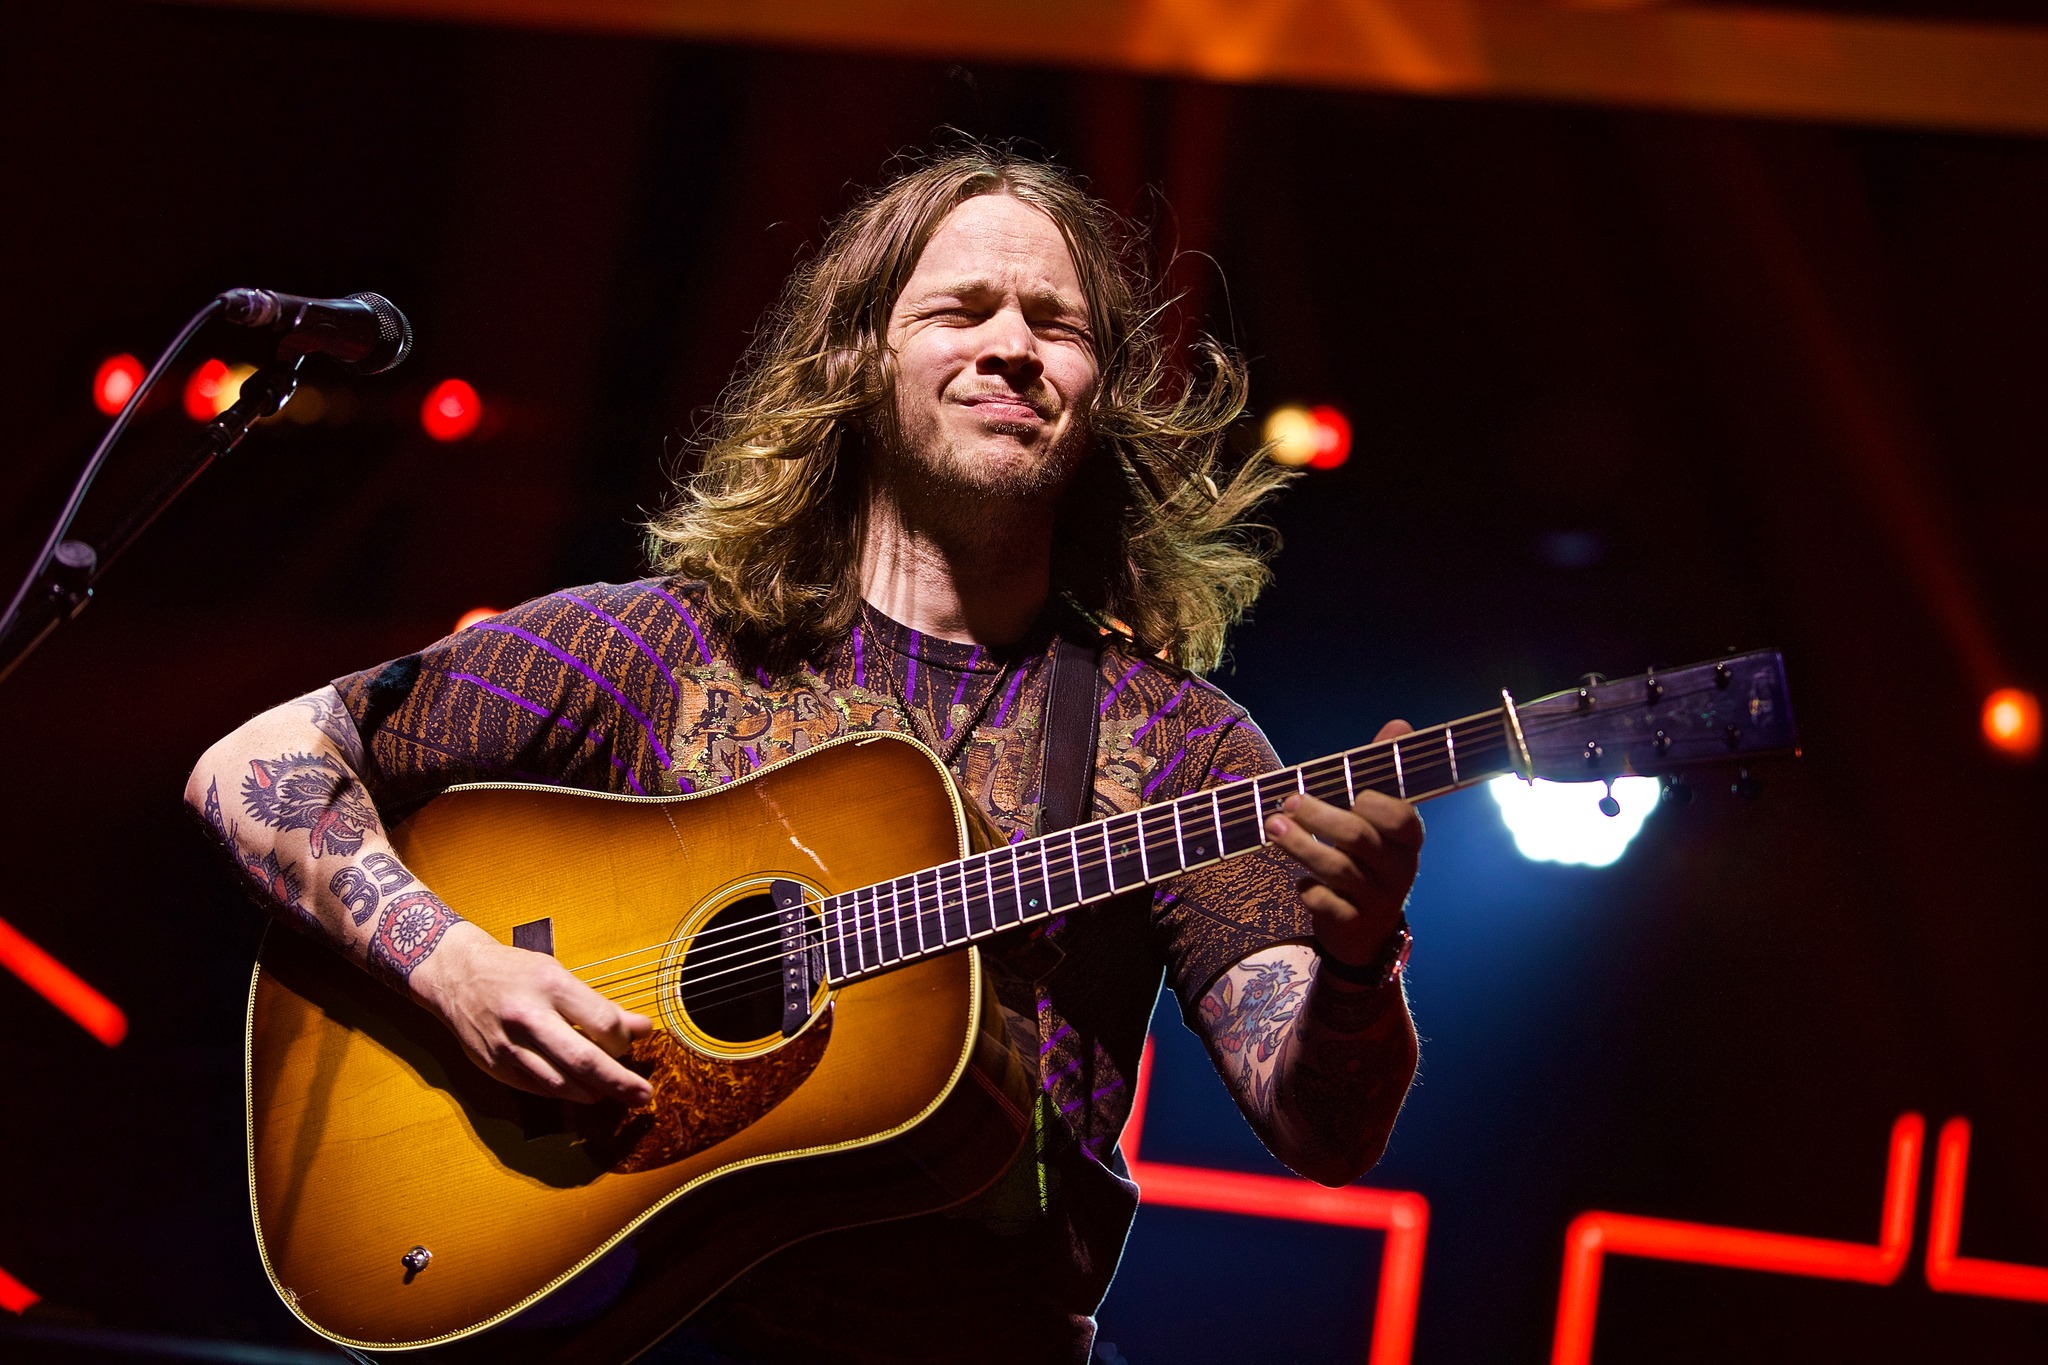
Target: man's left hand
1359,863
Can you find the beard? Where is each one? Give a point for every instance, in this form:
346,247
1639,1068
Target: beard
981,486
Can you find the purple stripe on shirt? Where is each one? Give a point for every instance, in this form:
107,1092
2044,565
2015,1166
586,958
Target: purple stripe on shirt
1049,1044
860,662
1165,710
547,647
960,692
1166,771
910,675
564,722
622,628
1009,698
1129,674
1211,729
688,620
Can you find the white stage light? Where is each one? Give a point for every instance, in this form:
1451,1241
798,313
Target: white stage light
1561,822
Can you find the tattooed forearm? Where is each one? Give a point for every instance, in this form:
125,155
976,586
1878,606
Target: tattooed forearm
1320,1067
353,888
336,723
1246,1016
407,933
312,792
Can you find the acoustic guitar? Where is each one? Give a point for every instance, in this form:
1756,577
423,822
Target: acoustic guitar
826,1053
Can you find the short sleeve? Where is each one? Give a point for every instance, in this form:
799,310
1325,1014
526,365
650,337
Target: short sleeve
1216,917
570,689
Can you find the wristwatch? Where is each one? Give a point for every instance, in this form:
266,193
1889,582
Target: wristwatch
1386,965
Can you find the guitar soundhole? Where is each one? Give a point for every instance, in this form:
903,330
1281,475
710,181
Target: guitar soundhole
731,979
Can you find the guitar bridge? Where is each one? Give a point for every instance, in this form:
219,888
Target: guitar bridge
803,965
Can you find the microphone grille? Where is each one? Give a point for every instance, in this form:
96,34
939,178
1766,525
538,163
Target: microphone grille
392,330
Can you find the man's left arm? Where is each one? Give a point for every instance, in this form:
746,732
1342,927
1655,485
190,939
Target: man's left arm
1318,1063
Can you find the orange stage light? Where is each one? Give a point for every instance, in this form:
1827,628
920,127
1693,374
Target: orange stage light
59,985
15,1296
474,615
1594,1236
2012,722
1402,1214
115,382
1319,438
451,411
213,389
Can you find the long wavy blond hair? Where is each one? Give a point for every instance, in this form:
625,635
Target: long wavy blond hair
1153,532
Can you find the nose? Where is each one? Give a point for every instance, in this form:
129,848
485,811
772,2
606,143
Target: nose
1009,347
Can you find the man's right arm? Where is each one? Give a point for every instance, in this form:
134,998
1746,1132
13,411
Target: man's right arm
283,795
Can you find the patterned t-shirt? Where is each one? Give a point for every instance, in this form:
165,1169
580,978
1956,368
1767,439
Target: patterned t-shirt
638,688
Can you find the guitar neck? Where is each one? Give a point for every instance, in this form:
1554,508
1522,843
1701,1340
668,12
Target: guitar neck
876,928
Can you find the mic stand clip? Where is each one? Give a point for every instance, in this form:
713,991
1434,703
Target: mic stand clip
68,575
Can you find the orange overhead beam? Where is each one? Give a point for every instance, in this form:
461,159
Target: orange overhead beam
1756,62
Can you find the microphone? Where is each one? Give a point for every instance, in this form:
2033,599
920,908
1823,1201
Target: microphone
363,332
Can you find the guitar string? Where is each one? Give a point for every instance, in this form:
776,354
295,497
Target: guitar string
816,936
771,922
871,921
635,983
1227,792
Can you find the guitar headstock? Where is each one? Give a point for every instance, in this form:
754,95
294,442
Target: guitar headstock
1737,708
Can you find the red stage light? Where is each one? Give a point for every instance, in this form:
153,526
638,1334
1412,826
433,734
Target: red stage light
15,1296
451,411
1594,1236
1402,1214
1953,1274
473,616
59,985
1332,437
213,389
2012,722
115,382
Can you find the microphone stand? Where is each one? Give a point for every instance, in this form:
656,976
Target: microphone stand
67,574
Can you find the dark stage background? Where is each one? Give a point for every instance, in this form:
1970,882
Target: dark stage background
1785,380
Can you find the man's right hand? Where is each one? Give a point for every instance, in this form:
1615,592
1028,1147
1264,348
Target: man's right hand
526,1020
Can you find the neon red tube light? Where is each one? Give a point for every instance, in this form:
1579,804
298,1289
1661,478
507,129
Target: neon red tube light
1594,1236
1953,1274
59,985
1401,1214
15,1296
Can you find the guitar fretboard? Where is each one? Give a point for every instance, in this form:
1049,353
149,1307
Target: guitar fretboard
875,928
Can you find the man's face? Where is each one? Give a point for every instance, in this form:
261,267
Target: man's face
995,365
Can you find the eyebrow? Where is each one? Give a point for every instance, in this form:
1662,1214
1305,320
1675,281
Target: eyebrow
970,288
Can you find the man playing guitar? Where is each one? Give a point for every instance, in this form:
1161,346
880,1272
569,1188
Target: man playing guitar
958,440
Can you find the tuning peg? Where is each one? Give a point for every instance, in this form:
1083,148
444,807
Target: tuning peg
1746,786
1677,791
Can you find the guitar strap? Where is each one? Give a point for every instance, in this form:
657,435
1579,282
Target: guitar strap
1066,775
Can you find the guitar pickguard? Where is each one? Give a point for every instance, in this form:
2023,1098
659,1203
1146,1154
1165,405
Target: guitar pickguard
698,1101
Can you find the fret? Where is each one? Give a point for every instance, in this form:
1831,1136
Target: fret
1242,828
1430,769
1451,752
1216,812
1036,892
1125,846
873,930
1199,844
860,953
1004,893
1400,778
835,941
1091,869
931,925
958,928
1159,841
1350,792
896,919
981,917
1074,866
1259,809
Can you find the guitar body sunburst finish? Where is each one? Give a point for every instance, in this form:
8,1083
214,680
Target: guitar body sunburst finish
371,1134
